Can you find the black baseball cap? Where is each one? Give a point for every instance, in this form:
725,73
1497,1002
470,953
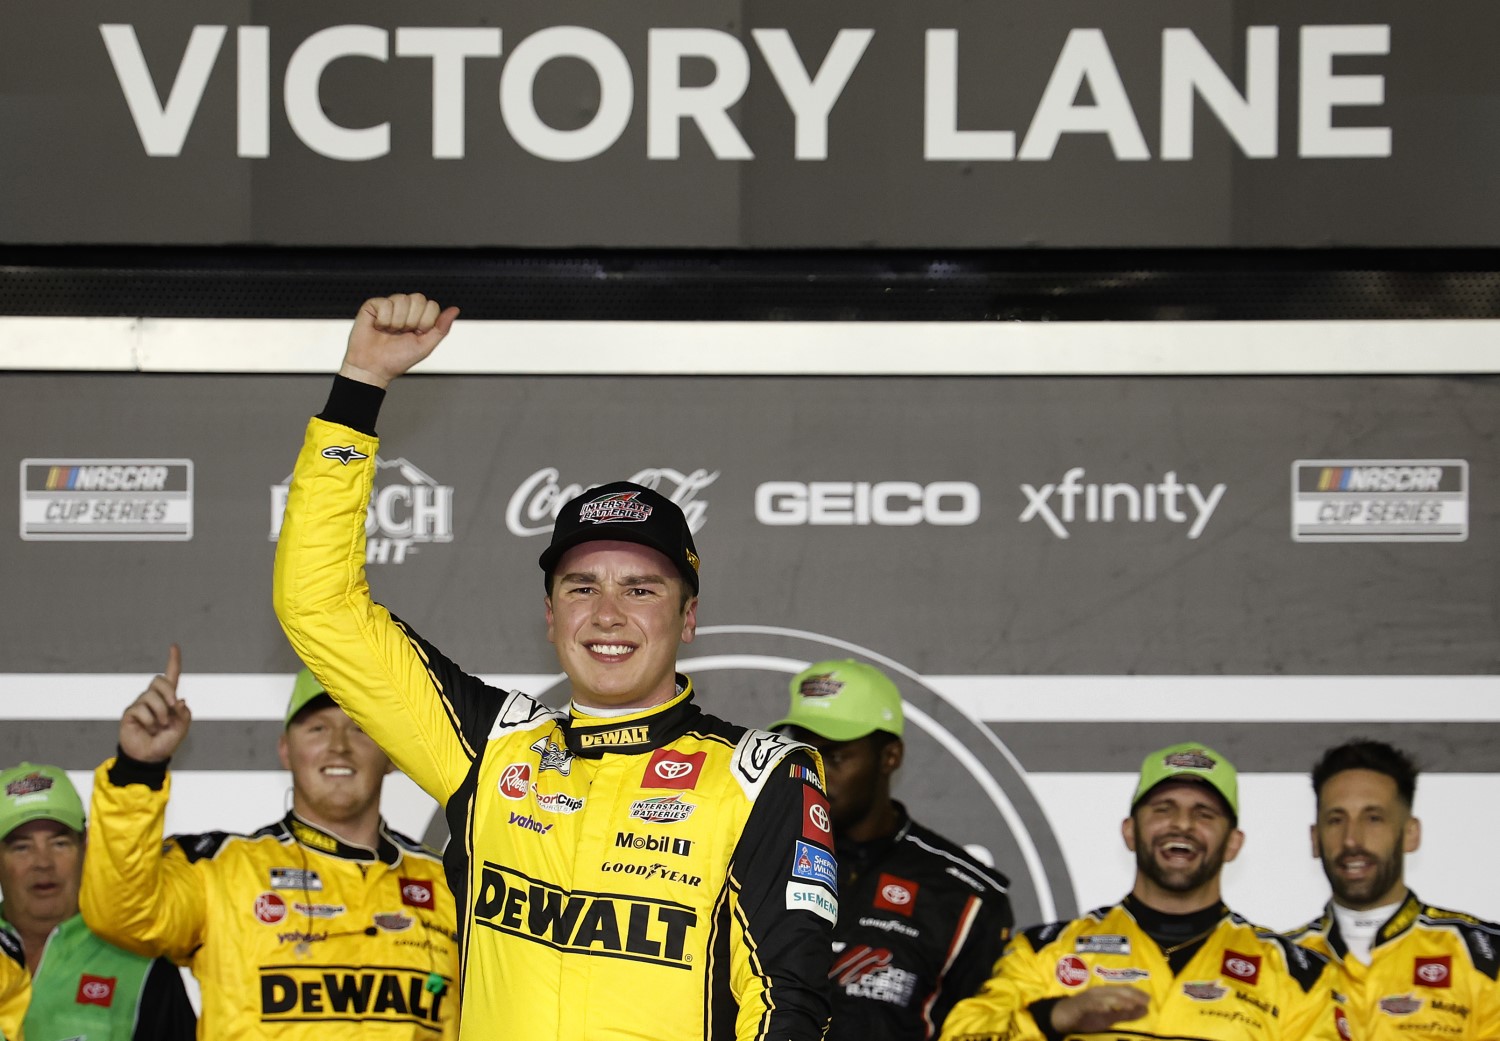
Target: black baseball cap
623,512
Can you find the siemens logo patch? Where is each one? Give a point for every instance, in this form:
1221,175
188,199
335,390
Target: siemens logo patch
1380,500
103,500
290,993
603,924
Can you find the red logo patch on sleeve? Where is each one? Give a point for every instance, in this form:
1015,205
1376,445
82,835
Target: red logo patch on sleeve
96,990
669,769
1241,966
1433,972
1071,971
893,893
416,893
817,826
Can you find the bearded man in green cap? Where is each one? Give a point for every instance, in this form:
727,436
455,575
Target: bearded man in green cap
82,985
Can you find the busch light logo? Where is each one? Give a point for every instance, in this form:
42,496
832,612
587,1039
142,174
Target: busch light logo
535,504
407,509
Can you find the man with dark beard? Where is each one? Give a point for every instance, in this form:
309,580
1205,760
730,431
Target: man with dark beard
1409,970
1170,960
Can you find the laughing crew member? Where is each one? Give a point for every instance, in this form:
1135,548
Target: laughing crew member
1411,970
625,867
81,986
1170,960
326,924
921,921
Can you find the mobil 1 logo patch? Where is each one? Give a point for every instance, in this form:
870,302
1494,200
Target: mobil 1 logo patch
1380,500
107,500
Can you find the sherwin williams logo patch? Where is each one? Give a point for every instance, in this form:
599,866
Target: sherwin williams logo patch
816,864
557,802
1205,990
1380,500
664,809
617,508
106,500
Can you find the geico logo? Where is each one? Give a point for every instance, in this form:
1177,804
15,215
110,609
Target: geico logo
112,478
642,930
364,995
653,843
893,503
611,738
652,871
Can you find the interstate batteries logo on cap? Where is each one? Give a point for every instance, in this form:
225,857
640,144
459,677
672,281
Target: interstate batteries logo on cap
107,500
1380,500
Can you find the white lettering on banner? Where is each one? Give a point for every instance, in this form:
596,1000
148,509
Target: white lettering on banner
1102,503
884,503
534,505
1188,72
407,508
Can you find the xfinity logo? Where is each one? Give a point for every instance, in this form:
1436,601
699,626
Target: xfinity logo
1059,505
883,503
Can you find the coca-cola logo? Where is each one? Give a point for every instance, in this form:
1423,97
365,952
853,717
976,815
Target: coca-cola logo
534,505
1071,971
515,782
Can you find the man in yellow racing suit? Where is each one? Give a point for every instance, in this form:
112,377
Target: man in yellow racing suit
632,868
324,925
15,987
1409,970
1170,961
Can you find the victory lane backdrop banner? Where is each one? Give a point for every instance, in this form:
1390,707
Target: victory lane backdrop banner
1060,573
663,123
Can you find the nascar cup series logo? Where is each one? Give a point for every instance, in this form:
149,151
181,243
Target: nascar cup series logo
534,506
107,500
408,509
1380,500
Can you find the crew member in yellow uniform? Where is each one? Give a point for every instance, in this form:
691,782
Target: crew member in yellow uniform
324,925
1170,960
1409,970
632,868
15,987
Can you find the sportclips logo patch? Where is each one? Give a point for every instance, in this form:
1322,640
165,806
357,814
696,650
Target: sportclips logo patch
294,994
1380,500
408,509
534,505
107,500
605,924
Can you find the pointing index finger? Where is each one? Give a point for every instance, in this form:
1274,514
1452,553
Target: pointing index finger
174,664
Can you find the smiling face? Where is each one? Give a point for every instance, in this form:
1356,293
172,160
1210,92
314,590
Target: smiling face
41,866
617,616
1363,833
336,770
1182,836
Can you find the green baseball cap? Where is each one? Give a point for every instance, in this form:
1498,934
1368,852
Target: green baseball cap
1190,761
38,793
304,691
844,701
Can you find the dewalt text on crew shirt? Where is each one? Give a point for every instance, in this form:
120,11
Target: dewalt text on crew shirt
1244,983
622,878
291,932
1432,974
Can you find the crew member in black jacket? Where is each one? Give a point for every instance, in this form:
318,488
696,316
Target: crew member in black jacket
921,921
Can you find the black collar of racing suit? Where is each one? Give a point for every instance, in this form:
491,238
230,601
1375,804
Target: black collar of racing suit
1394,926
1178,935
592,737
325,842
855,859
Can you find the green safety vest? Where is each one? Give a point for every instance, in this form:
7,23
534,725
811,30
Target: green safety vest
83,987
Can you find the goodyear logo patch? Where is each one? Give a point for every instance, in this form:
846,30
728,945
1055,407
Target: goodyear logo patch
613,925
107,500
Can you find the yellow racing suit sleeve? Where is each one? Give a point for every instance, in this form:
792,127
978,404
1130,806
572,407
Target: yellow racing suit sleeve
15,986
389,681
136,894
1001,1008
